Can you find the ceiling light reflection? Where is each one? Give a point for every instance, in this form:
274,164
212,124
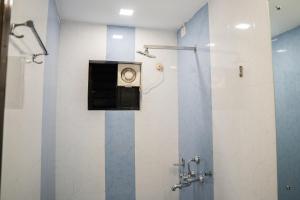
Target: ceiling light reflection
243,26
126,12
281,50
117,37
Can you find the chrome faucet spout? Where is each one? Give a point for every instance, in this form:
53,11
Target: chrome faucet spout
188,183
175,187
180,186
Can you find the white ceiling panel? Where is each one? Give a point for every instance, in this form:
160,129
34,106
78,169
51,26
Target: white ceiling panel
161,14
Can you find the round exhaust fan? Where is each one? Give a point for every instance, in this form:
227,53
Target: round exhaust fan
129,75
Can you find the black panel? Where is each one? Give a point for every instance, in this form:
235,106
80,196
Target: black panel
128,98
104,94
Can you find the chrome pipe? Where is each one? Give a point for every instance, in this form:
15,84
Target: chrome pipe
188,183
167,47
30,24
180,186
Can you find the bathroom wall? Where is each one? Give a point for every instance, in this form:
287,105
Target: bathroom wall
49,105
195,109
243,110
244,135
156,129
23,118
80,141
82,150
286,78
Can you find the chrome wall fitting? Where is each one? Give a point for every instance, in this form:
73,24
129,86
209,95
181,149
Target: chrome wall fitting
181,163
146,52
195,160
30,25
186,179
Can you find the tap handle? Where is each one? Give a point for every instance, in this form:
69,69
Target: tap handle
196,159
181,163
209,174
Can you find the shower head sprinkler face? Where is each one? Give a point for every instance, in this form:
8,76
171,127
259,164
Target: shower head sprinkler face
146,53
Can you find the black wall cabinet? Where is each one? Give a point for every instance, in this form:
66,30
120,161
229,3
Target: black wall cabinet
103,90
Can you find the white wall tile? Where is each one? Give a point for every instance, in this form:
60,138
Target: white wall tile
243,108
22,126
80,153
156,129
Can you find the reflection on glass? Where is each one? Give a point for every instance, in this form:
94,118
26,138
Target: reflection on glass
285,18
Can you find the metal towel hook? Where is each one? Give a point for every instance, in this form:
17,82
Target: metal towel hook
12,30
35,56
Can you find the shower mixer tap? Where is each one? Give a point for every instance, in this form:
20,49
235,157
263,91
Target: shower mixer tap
188,182
187,178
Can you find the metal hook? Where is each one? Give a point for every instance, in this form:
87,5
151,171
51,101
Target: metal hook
12,30
34,56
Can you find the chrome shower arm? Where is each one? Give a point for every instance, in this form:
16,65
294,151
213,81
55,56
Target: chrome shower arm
184,48
165,47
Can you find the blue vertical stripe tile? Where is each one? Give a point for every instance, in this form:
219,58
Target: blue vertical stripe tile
120,125
195,103
286,48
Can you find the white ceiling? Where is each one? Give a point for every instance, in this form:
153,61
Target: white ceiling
285,19
161,14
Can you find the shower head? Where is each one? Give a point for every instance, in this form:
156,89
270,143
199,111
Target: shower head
146,53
